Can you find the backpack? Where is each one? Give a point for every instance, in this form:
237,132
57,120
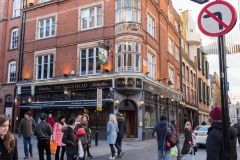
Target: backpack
171,138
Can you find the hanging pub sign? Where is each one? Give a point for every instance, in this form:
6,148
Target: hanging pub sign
103,49
102,56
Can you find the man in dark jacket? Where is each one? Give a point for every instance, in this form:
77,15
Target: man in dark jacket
161,130
43,132
26,129
120,134
215,135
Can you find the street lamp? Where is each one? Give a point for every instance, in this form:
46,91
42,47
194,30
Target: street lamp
116,102
29,99
141,102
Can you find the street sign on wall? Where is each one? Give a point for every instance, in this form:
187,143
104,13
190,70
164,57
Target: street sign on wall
99,99
217,18
200,1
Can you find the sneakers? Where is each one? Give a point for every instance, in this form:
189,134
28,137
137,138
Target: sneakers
26,157
89,156
121,154
111,157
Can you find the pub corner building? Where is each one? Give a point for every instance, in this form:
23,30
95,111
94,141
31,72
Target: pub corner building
141,100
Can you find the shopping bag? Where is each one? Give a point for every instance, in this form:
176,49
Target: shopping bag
53,147
80,149
174,152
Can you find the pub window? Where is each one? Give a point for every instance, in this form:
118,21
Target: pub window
44,69
128,56
128,10
14,39
91,17
150,116
151,65
89,62
46,28
16,8
12,72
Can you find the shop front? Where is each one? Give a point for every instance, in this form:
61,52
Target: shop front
70,99
143,102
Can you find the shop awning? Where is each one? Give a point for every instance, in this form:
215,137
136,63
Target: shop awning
78,104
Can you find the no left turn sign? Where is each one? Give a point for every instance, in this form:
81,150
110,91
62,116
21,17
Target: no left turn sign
217,18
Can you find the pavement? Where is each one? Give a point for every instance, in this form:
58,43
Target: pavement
133,150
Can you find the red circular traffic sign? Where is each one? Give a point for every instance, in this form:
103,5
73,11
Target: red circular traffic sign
217,18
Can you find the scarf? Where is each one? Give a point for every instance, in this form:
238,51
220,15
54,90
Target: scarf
71,126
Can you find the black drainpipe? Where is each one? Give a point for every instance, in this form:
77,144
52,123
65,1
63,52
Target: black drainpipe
180,59
20,60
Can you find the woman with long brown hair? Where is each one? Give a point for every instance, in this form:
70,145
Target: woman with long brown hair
8,143
85,139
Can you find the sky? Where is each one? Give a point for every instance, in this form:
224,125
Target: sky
233,62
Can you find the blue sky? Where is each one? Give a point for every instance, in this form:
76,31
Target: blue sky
233,61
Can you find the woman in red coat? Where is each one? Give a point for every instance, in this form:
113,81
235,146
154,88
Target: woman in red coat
57,136
50,120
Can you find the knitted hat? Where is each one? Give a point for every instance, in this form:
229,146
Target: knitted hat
216,113
163,117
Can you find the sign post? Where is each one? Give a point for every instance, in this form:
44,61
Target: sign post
216,19
99,108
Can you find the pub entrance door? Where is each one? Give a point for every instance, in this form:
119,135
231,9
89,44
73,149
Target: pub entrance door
128,109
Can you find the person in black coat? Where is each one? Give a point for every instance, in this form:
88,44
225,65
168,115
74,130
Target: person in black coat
188,139
8,143
120,134
215,135
70,139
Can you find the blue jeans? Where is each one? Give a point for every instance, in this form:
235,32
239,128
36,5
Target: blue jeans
26,141
164,156
118,145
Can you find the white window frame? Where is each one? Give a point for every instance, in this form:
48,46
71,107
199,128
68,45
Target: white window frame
42,67
95,61
177,55
12,70
16,8
125,59
151,65
133,9
176,26
51,26
137,63
178,81
170,45
171,75
45,1
119,66
170,14
88,17
151,25
14,39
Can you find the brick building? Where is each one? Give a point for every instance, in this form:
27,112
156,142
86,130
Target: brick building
127,48
10,20
190,40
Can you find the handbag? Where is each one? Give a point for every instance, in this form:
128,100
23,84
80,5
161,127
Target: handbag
53,147
80,131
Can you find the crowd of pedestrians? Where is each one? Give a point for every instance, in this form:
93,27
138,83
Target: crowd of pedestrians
73,139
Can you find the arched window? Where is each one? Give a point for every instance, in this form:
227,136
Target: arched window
12,72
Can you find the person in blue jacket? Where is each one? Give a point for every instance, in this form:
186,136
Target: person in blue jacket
161,131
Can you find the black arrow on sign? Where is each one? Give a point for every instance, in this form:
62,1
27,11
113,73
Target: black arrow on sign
219,15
